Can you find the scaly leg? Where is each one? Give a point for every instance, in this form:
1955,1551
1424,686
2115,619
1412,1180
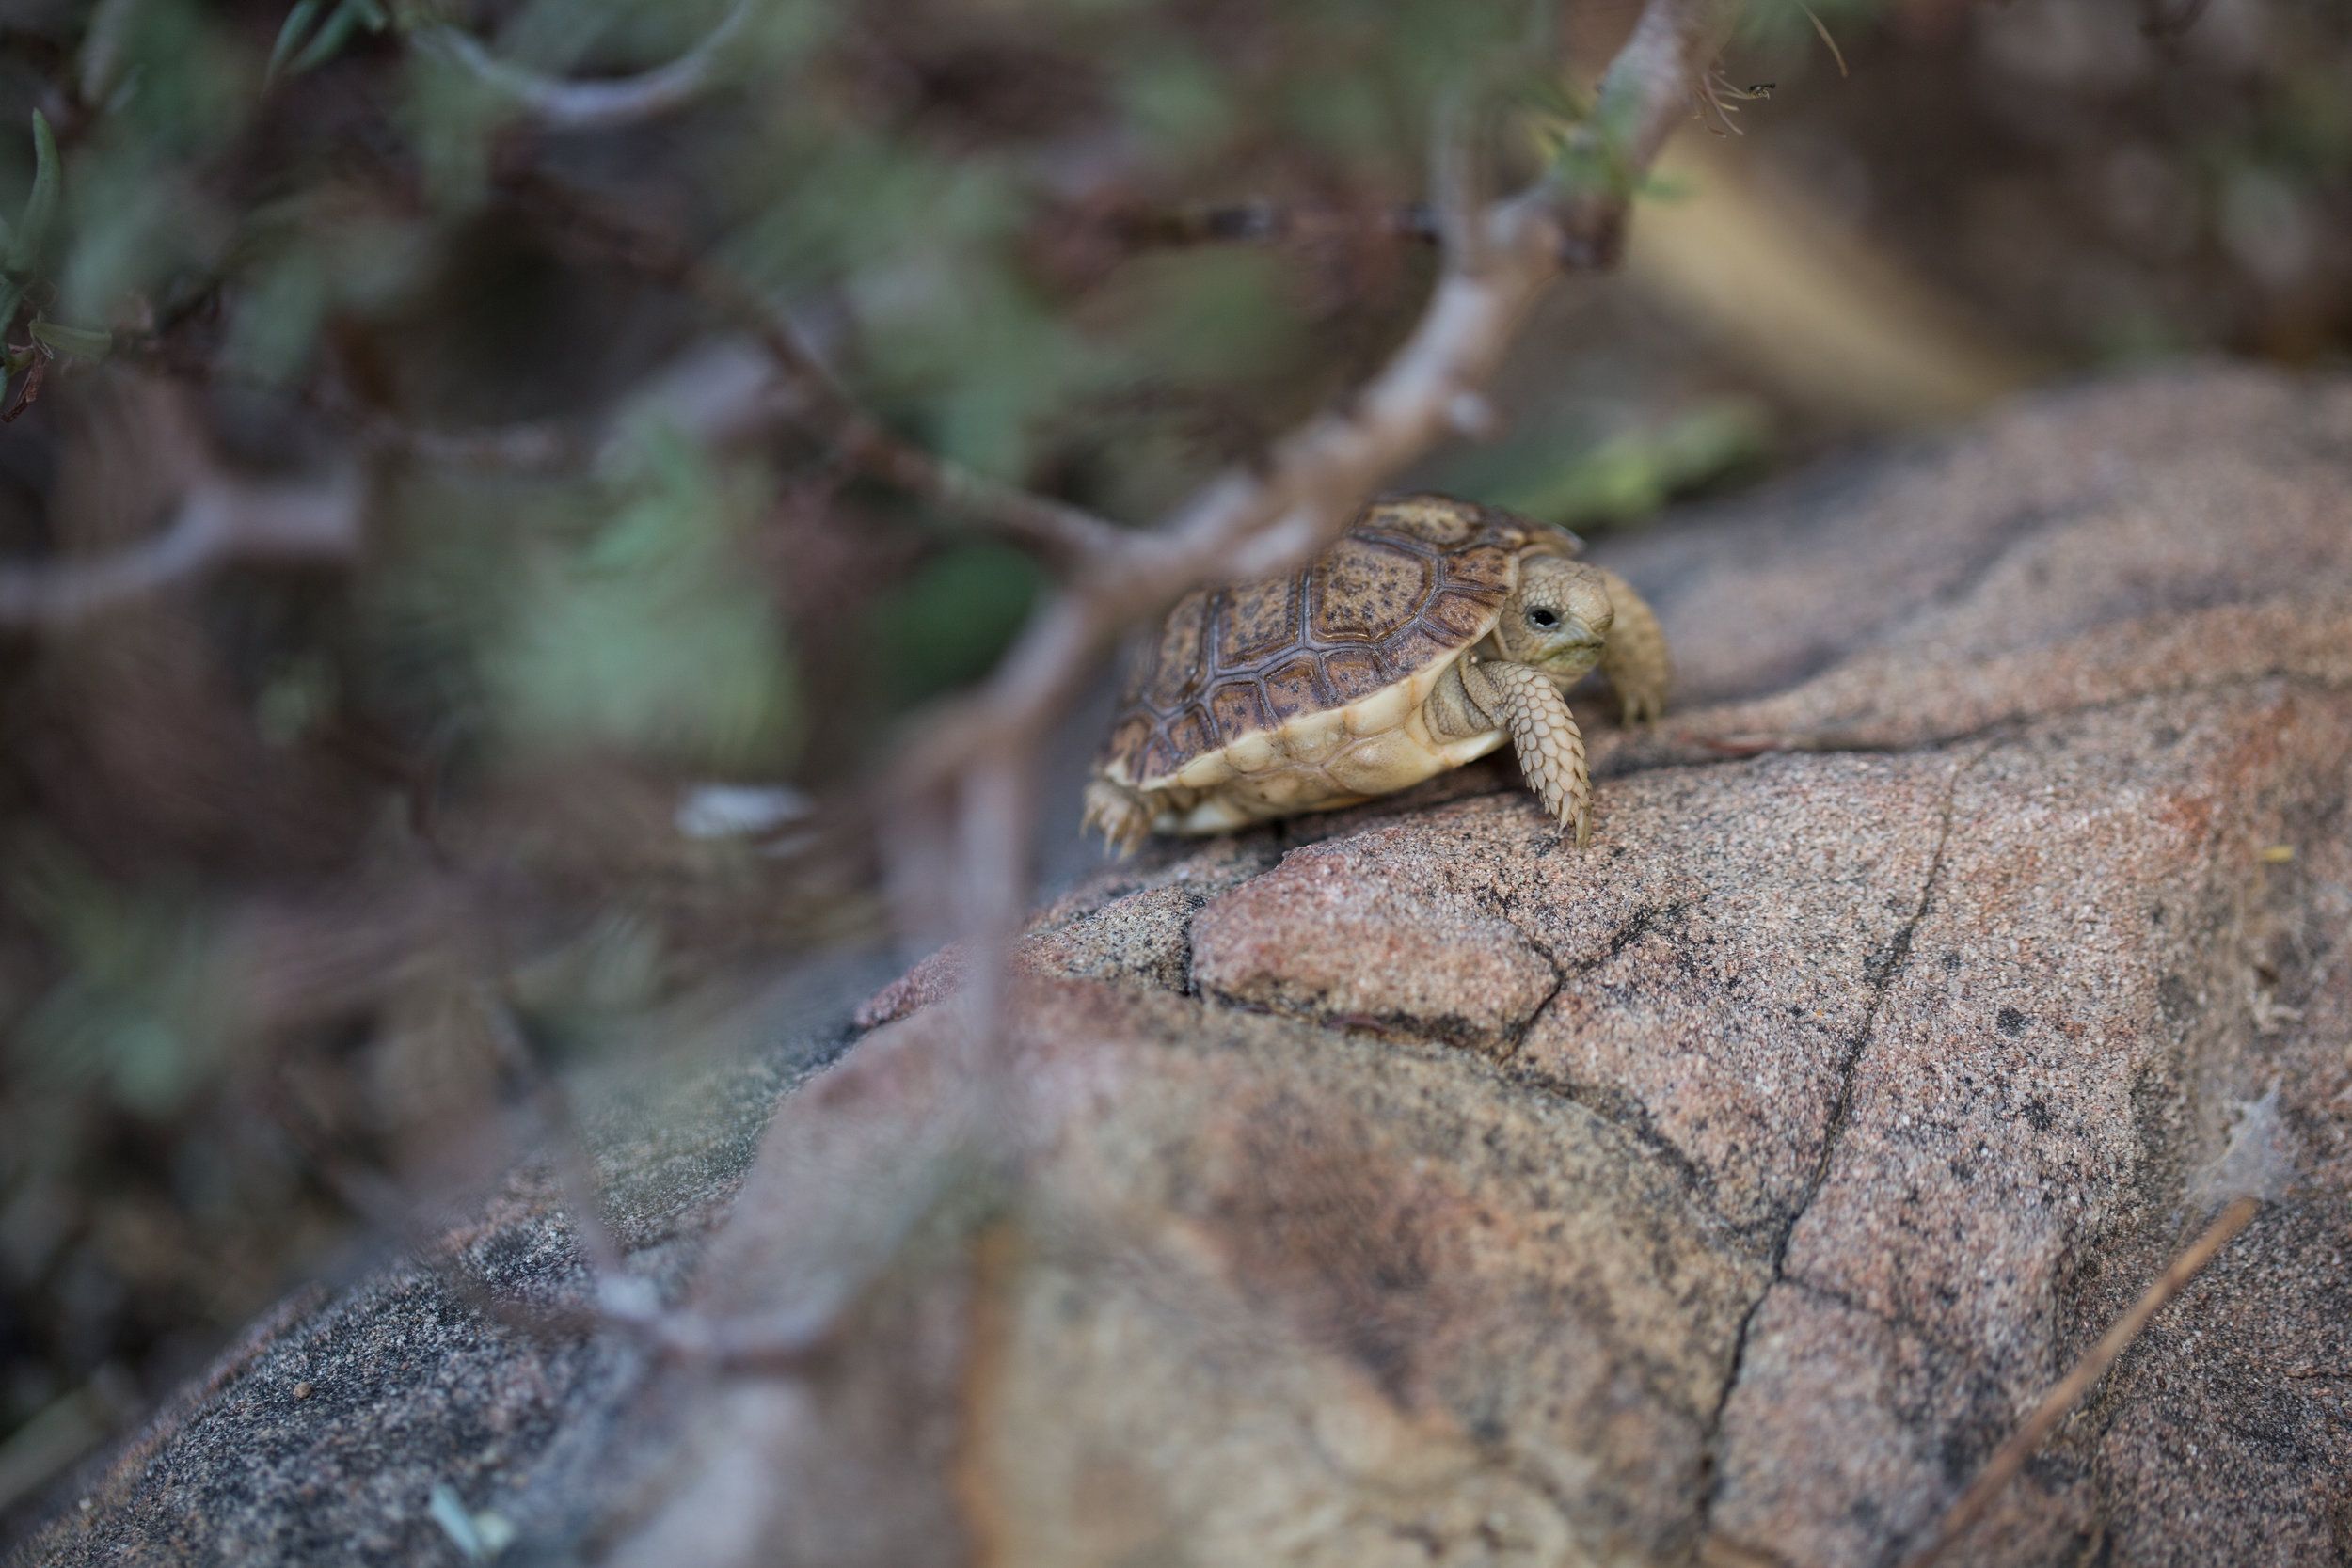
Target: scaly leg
1121,815
1635,660
1551,748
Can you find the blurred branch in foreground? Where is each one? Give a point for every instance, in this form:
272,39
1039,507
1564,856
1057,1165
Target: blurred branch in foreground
218,522
218,519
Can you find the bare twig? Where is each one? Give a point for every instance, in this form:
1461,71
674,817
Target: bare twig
1060,532
1269,223
1455,194
1056,530
218,521
2029,1438
561,104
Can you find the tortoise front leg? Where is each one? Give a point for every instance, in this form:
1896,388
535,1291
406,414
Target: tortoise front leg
1551,748
1634,659
1122,815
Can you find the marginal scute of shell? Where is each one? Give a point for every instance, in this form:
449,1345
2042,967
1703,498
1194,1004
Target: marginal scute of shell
1311,737
1212,816
1384,710
1252,753
1383,763
1456,753
1205,771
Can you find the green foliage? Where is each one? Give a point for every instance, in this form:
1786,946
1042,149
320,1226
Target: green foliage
31,235
452,114
944,627
1620,479
1176,100
313,34
133,1015
1215,317
644,632
28,247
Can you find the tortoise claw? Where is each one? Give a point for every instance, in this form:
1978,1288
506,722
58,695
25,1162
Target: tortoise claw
1118,815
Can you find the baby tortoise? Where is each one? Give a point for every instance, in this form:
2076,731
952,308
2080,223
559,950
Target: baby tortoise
1430,630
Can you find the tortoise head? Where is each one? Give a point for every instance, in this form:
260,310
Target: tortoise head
1558,618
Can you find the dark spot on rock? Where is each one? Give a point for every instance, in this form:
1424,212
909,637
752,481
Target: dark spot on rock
1951,962
2038,1114
2012,1021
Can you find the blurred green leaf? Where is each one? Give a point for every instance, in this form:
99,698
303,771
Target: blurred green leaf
1342,112
452,114
140,220
81,342
132,1014
1177,99
945,626
1667,187
40,207
278,314
981,360
1208,316
647,634
295,699
299,19
850,204
1619,480
348,18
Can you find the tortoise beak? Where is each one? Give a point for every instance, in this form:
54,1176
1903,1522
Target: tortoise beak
1579,639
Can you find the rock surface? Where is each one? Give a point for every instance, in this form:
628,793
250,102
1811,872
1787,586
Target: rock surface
1400,1186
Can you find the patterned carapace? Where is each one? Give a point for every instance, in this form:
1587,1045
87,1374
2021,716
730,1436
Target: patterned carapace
1385,600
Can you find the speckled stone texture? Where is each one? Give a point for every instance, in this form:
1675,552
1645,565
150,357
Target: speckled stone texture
1401,1186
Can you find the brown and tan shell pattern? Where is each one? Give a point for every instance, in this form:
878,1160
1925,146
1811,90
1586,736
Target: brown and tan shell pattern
1414,582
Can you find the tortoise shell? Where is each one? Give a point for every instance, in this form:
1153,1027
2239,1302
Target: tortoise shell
1414,582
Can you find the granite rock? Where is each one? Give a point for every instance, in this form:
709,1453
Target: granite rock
1400,1185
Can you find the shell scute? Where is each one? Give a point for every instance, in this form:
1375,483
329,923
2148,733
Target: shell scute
1295,688
1257,620
1460,618
1239,707
1418,645
1355,670
1174,665
1367,587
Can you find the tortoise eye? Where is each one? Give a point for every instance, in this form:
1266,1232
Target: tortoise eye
1543,619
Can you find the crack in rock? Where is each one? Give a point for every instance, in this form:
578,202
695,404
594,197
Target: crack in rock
1882,970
